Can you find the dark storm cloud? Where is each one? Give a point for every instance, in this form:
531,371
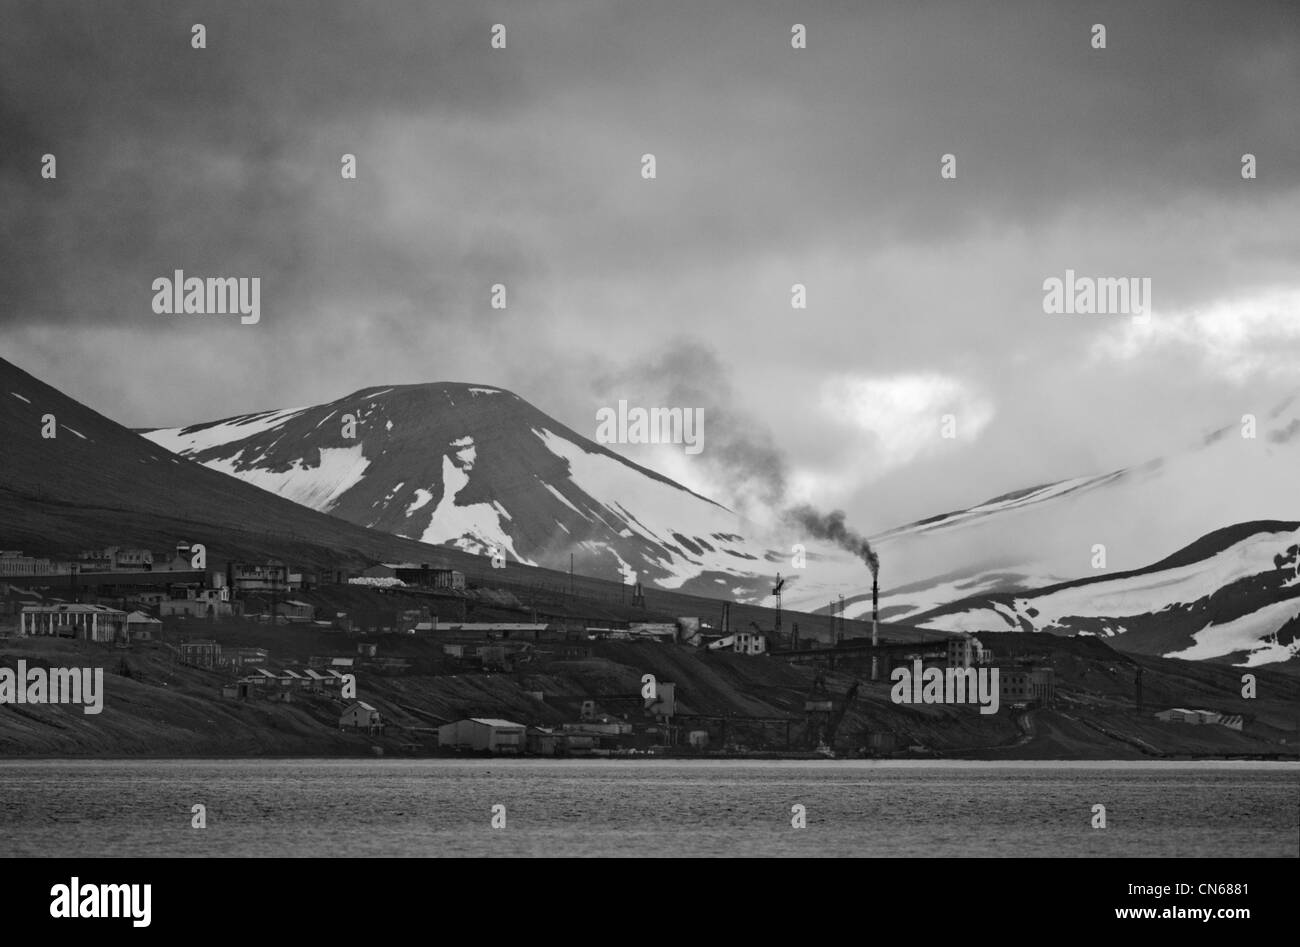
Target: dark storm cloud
227,157
209,160
521,166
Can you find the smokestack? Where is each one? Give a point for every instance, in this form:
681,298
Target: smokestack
875,622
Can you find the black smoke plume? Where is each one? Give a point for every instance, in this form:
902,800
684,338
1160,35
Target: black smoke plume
689,374
831,526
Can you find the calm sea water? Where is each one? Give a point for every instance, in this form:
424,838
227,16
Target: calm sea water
646,808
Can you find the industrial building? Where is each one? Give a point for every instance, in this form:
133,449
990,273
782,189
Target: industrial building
270,576
1018,685
192,602
119,559
425,577
653,630
83,622
417,574
542,741
297,611
203,652
13,563
966,651
501,630
1201,717
742,642
484,733
238,657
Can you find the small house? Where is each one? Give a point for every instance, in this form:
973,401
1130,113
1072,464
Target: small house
361,716
141,627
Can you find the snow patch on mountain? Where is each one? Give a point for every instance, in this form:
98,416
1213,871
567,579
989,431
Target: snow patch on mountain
1141,594
422,499
561,497
670,517
1255,634
319,487
189,440
473,527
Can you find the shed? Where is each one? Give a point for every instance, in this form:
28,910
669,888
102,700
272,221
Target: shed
360,716
484,733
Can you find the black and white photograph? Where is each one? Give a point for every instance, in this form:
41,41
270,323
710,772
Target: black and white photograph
675,429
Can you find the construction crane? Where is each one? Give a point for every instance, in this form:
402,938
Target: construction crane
824,717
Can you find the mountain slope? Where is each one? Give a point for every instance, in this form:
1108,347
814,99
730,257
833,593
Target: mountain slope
1049,534
480,469
1232,596
97,483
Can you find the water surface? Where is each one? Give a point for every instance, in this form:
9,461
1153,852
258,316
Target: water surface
646,808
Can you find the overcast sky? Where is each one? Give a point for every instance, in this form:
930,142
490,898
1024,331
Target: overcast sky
775,166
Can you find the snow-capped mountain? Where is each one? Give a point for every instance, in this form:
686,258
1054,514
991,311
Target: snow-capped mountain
1233,595
1116,522
478,468
74,479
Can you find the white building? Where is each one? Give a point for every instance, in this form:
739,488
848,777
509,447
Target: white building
84,622
1198,717
14,563
198,603
966,651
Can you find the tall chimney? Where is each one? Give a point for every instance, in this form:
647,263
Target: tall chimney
875,621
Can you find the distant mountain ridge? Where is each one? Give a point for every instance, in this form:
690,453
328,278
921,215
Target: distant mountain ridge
478,468
1133,517
1233,595
97,483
